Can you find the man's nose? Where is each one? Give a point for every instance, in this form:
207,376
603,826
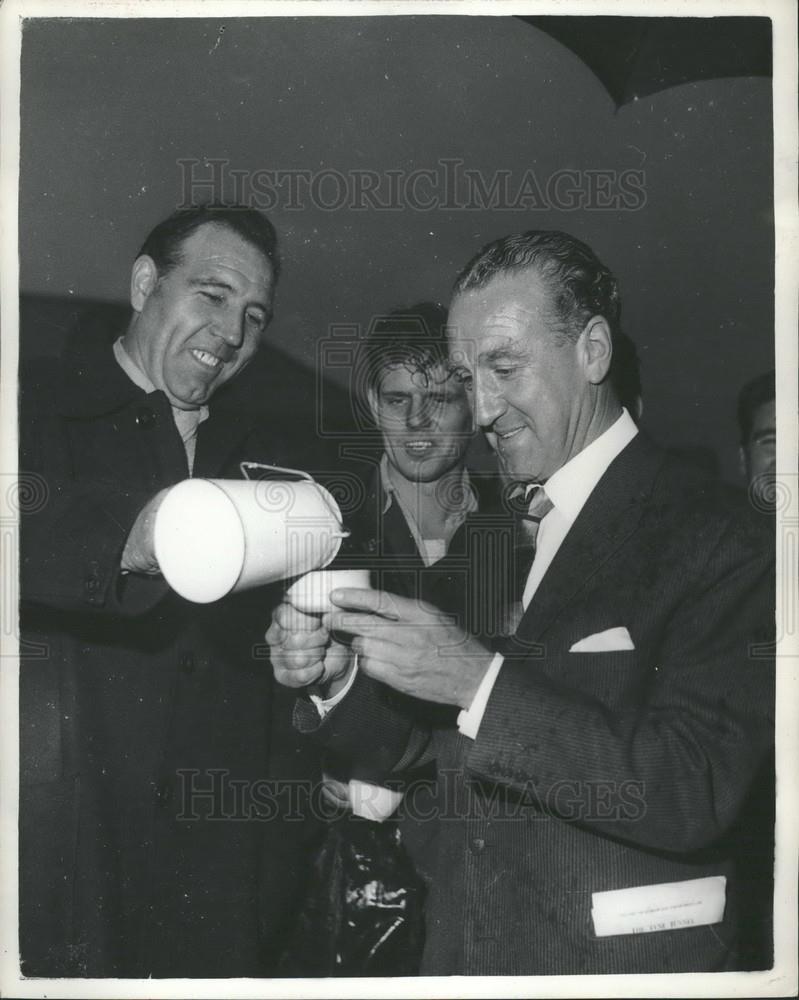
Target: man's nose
488,404
419,413
231,330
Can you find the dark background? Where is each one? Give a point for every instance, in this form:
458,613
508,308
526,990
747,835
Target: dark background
110,106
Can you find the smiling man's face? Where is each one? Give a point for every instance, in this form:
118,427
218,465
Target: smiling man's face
529,390
200,324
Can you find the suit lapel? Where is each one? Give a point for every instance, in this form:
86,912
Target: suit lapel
609,517
397,538
387,540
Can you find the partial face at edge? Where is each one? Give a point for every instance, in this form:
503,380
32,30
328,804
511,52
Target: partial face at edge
759,454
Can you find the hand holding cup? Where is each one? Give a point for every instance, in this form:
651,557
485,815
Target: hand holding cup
302,649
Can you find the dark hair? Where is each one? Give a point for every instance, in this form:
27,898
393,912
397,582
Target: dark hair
752,396
580,284
580,287
165,242
414,336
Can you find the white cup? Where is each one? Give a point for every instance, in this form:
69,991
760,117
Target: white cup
215,536
311,593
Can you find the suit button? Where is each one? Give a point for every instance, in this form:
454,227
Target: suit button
145,417
163,793
92,584
477,846
187,663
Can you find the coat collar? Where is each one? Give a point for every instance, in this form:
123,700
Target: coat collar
610,515
92,383
394,537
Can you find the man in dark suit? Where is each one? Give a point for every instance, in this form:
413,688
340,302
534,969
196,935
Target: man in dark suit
138,710
602,752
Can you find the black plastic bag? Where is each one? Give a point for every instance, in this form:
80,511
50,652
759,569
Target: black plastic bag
364,913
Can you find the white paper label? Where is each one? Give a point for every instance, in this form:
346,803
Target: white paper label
669,906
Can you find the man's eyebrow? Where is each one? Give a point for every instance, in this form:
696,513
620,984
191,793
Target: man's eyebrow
225,286
499,353
216,282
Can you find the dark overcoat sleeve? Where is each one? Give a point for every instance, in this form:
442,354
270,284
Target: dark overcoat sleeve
74,534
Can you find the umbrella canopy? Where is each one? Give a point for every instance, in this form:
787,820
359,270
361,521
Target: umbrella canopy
637,56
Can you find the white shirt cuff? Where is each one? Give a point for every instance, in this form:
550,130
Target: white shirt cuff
325,705
470,718
373,801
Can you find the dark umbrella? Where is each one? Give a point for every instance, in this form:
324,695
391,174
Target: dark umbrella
636,56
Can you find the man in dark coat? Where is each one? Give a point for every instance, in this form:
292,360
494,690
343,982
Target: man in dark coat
149,726
601,753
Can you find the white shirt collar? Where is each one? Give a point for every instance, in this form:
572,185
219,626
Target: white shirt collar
468,505
385,482
130,368
573,483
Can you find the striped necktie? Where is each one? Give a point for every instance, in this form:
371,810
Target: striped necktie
530,504
537,509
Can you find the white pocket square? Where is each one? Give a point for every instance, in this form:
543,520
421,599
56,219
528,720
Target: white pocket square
604,642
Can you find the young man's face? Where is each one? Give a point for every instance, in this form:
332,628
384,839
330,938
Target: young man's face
197,326
425,420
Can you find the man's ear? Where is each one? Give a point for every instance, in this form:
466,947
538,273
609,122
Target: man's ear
371,399
743,465
595,348
143,279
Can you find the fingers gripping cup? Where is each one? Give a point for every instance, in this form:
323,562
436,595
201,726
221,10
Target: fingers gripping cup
311,593
217,536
